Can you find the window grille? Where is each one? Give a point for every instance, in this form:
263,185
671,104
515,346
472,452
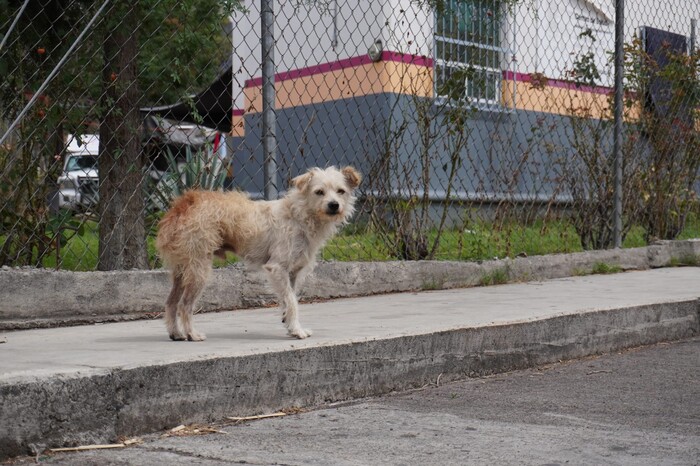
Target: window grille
469,53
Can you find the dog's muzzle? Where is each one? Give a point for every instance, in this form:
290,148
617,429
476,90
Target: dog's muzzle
332,208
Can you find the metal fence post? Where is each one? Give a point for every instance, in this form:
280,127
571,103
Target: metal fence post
269,121
617,137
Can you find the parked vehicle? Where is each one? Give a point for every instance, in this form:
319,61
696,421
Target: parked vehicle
180,156
78,183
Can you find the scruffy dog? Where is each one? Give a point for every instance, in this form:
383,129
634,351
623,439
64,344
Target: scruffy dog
282,237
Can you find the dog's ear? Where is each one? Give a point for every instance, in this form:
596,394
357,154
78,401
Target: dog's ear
352,177
302,181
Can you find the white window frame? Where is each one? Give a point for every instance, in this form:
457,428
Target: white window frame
440,63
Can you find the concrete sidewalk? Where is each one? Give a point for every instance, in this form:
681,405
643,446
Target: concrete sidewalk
94,384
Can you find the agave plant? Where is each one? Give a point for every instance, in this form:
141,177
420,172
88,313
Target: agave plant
202,169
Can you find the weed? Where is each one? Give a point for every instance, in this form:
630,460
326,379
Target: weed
495,277
432,285
686,260
603,268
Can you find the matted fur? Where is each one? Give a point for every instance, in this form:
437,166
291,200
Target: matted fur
281,237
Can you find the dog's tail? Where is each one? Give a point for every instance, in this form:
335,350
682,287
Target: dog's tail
168,227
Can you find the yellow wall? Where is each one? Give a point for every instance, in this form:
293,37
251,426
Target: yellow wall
390,76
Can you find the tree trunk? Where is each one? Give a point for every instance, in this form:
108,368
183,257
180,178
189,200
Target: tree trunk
121,206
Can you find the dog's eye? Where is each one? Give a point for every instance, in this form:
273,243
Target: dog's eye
319,192
341,191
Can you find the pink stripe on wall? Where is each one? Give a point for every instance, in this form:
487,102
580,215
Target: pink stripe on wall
560,83
418,60
342,64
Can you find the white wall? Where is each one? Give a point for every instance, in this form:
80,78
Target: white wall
410,28
548,31
548,36
670,15
304,34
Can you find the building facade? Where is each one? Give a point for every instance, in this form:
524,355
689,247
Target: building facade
352,79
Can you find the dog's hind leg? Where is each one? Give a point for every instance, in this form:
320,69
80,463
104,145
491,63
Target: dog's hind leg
194,281
281,283
171,307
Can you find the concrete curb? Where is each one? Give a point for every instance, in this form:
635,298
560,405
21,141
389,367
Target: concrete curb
34,298
102,405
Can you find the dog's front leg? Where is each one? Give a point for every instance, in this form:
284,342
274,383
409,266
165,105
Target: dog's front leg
293,284
283,285
295,278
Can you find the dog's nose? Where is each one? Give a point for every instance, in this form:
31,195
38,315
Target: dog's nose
333,207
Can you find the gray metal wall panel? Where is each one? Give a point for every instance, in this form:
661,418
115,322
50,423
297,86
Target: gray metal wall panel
512,154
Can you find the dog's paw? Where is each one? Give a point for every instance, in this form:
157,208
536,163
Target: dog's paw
300,333
177,336
196,336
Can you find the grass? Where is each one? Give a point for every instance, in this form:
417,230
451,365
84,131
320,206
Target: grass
355,247
692,228
80,252
482,241
479,241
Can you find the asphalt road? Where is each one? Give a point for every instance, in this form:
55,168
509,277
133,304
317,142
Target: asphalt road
638,407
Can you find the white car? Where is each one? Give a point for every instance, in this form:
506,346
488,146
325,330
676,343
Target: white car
78,184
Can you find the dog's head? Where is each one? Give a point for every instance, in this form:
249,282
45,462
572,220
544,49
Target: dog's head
329,193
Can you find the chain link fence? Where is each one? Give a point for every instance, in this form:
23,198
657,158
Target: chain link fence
484,128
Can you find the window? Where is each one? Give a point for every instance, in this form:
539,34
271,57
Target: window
468,52
81,162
